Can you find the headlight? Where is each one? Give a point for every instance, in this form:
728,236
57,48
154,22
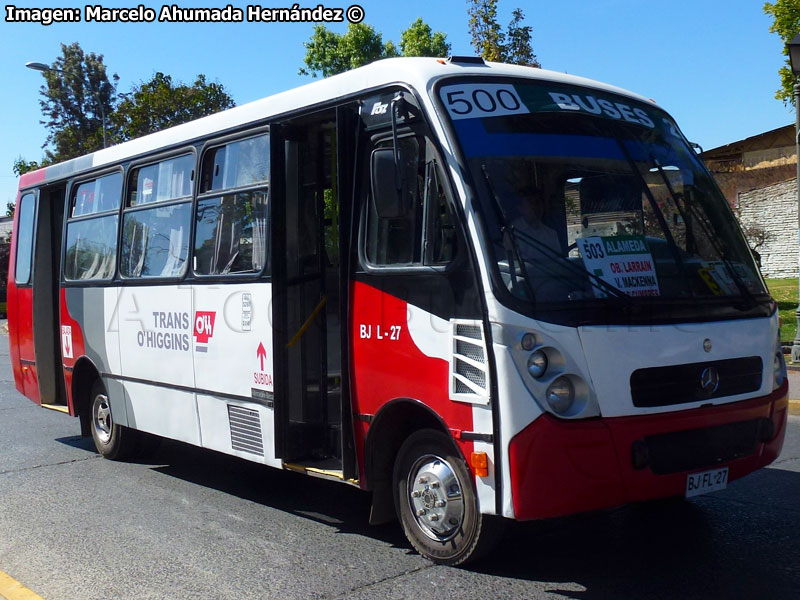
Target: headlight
560,395
778,370
537,364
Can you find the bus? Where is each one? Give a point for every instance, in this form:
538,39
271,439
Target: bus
480,292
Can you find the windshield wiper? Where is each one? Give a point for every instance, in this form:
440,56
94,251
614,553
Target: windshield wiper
676,252
510,234
595,280
701,220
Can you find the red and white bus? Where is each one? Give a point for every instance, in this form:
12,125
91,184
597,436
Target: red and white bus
479,291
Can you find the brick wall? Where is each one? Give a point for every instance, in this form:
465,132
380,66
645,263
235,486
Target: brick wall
773,208
734,182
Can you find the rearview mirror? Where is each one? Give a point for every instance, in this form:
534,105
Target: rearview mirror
390,195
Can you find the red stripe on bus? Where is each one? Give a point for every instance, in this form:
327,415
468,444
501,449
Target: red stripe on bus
32,178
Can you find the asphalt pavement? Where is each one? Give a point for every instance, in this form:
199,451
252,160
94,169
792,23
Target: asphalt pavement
189,523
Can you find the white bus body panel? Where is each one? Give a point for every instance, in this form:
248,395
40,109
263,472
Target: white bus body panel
615,352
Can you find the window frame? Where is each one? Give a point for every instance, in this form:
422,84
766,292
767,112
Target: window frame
125,209
208,146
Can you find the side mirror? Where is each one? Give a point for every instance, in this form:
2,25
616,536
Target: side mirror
390,193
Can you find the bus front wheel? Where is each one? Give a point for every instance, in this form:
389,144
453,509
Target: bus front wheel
112,441
436,501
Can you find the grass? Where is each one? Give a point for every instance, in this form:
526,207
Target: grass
785,293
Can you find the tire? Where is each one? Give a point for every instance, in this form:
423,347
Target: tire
436,502
112,441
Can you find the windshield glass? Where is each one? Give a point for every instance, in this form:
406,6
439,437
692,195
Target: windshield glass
594,198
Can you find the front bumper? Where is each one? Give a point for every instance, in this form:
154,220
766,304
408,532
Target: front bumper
561,467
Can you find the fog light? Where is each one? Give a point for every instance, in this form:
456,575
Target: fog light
537,364
560,395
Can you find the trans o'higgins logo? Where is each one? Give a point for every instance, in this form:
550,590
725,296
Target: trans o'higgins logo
170,332
203,328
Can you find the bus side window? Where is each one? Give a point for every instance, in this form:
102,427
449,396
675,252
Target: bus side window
91,250
231,221
27,208
157,219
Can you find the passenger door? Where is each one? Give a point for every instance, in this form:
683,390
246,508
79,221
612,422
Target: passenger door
312,176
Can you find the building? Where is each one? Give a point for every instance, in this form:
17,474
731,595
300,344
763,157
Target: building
5,229
758,176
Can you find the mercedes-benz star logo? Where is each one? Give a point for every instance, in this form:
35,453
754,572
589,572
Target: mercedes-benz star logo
709,380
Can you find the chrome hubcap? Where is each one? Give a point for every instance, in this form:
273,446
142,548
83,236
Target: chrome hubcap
435,497
101,418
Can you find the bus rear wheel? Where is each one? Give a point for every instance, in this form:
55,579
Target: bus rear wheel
436,501
112,441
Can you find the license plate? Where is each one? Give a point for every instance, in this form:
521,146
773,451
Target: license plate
707,481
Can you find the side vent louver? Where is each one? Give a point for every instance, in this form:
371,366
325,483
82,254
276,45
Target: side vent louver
469,373
245,430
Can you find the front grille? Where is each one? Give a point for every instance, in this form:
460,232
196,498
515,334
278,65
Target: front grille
702,448
680,384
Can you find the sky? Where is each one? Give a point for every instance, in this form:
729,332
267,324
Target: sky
713,64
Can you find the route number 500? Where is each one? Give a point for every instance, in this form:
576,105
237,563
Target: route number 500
470,101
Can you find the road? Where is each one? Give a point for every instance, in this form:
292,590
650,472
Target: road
195,524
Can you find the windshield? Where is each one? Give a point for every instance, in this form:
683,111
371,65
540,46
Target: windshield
596,199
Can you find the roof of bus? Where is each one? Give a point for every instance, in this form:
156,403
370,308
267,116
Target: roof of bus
420,73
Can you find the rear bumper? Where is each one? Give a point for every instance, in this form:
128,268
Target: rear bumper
561,467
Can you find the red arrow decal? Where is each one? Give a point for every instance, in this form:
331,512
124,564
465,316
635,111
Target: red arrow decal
261,353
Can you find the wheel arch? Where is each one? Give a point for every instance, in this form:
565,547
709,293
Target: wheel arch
84,374
389,428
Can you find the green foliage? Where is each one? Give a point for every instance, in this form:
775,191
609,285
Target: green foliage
160,103
519,50
329,53
10,208
786,23
22,166
420,40
75,96
488,38
492,43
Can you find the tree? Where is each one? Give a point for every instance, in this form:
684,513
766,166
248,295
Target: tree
420,40
518,48
76,95
22,166
492,43
786,23
160,103
488,38
329,53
